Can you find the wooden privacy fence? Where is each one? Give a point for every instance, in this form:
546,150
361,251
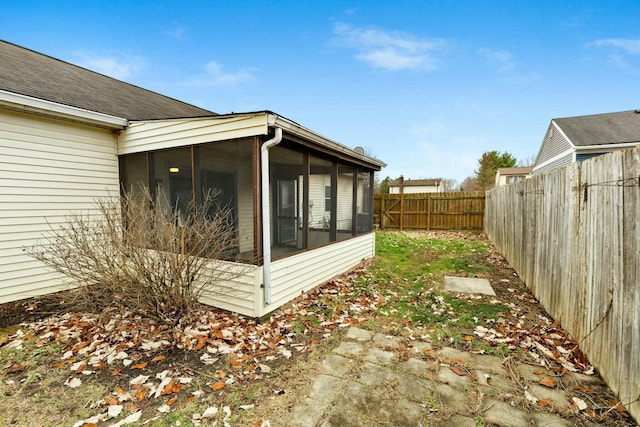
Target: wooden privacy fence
430,211
573,236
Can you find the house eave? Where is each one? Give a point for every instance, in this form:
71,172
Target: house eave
606,147
304,133
27,104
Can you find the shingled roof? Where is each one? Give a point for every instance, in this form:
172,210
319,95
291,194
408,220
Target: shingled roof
33,74
601,129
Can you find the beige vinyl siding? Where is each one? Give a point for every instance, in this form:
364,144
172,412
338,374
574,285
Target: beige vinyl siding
242,294
302,272
50,169
161,134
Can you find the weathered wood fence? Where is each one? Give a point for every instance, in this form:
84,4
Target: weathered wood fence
573,236
430,211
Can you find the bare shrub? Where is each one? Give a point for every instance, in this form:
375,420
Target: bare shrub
142,256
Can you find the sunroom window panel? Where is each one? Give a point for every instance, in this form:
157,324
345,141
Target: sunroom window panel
320,201
364,206
344,211
226,174
172,178
286,193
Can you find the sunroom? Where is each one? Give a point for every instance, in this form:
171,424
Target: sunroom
301,203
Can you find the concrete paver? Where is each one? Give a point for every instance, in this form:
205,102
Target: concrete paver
365,382
468,285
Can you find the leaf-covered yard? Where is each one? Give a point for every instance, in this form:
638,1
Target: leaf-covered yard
114,368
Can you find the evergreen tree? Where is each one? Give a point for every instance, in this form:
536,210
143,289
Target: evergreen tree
488,165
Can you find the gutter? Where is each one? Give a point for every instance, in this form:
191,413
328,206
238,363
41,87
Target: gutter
266,212
30,104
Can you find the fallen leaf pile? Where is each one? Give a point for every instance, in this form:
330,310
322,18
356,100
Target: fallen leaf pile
543,340
128,343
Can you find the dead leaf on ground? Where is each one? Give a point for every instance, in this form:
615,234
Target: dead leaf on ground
457,361
545,402
548,382
456,370
218,386
139,365
16,368
159,358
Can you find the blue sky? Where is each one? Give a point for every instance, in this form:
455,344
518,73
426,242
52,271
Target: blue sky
426,86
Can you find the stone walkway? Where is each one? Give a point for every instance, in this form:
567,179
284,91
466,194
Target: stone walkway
374,380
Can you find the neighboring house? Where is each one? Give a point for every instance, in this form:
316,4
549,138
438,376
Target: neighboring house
580,138
506,176
410,186
69,136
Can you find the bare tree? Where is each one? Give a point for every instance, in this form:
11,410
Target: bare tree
449,184
142,256
469,184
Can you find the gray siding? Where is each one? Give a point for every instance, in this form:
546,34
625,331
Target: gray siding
553,145
558,163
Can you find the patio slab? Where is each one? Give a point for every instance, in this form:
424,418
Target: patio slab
468,285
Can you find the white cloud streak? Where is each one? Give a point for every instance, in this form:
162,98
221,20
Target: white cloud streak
118,66
501,58
630,46
215,75
390,50
178,32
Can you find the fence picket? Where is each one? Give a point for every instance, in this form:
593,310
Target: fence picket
573,236
431,211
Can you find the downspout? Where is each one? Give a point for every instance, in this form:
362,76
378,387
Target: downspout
266,212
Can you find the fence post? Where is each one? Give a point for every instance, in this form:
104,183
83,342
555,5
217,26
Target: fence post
429,206
401,202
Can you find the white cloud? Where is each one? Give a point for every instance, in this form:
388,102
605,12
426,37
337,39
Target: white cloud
630,46
215,75
391,50
501,58
177,32
119,66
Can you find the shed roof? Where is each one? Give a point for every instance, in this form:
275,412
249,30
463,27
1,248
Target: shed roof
524,170
33,74
601,129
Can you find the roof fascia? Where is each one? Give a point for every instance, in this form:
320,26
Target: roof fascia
304,133
600,147
554,158
28,104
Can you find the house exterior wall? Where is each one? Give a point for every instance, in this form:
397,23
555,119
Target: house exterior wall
302,272
161,134
51,168
555,143
564,160
413,189
242,294
290,276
